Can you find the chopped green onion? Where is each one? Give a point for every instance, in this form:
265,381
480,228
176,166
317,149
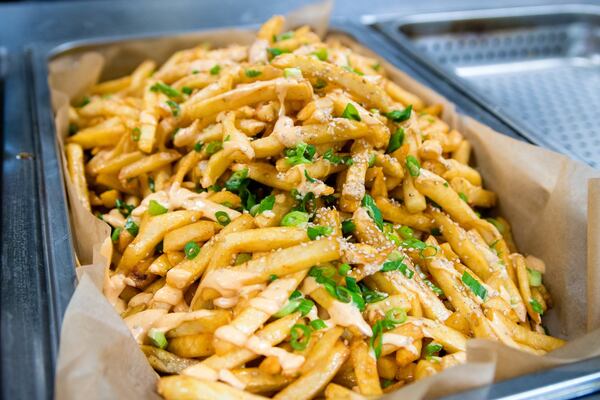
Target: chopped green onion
413,166
274,51
295,333
86,100
343,294
321,54
397,265
301,154
252,73
433,287
157,338
497,224
336,159
428,255
318,324
372,296
222,218
136,133
151,185
343,269
395,140
435,231
195,71
283,36
295,218
463,197
265,204
308,177
399,115
198,147
73,128
376,66
320,83
319,230
372,159
236,180
292,73
350,112
288,308
536,306
174,107
215,70
348,227
535,277
186,90
131,227
433,348
377,336
165,89
296,294
213,147
115,235
191,250
244,257
477,288
406,232
396,315
350,69
155,208
386,383
369,204
272,277
305,306
123,207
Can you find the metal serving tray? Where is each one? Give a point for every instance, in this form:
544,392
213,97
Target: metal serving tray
537,65
59,265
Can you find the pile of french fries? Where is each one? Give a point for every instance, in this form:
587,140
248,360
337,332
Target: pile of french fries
289,223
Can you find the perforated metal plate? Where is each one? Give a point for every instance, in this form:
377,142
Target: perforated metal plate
542,69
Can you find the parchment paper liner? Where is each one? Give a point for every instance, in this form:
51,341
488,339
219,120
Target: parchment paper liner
547,197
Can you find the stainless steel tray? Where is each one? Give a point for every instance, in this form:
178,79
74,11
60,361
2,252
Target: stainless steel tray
538,65
59,263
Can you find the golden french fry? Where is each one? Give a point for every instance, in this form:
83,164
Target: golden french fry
77,173
314,381
198,232
181,387
192,346
365,368
143,245
148,164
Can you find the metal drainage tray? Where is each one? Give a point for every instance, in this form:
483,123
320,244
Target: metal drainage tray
538,65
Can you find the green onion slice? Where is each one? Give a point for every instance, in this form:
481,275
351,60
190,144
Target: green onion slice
477,288
295,333
191,250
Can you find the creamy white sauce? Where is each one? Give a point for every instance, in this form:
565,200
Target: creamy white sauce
140,323
346,314
168,294
227,281
399,341
257,53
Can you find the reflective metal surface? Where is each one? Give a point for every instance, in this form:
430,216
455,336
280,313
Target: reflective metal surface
539,65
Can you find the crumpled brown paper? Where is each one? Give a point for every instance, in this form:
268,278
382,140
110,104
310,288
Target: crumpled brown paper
552,202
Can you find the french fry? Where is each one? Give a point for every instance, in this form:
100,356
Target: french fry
314,381
147,239
365,368
181,387
77,173
197,232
